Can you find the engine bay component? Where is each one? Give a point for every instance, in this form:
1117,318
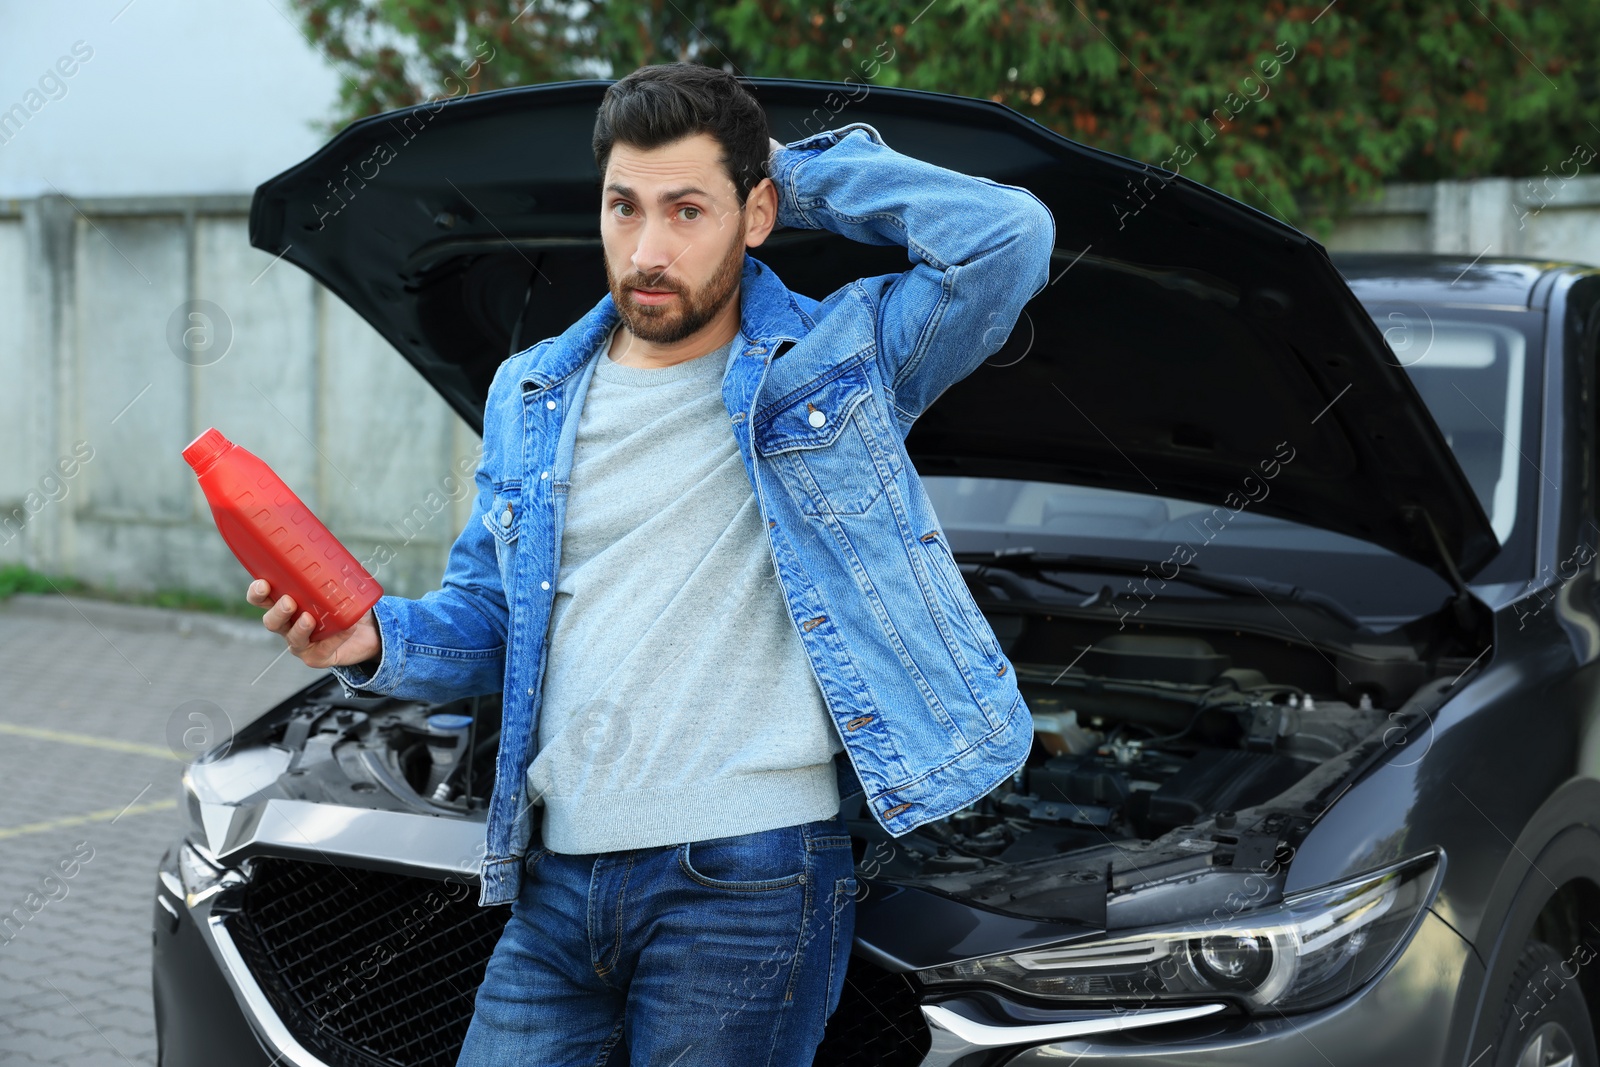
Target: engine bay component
1220,780
1173,734
1180,659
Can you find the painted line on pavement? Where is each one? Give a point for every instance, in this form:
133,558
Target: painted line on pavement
105,814
131,747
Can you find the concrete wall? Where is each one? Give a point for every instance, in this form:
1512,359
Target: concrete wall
1555,216
99,357
128,326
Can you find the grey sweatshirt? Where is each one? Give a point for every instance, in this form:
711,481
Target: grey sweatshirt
678,703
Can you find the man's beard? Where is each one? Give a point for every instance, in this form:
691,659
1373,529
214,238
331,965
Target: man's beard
668,323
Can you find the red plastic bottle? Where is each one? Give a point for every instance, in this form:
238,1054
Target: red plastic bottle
277,538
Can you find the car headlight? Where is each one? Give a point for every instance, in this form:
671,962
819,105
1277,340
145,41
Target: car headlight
1306,952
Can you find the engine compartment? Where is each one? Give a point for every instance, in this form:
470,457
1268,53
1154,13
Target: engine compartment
1145,736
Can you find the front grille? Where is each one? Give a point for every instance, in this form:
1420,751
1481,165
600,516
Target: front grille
877,1023
367,968
363,967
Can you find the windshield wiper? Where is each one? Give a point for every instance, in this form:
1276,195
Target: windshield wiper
1030,561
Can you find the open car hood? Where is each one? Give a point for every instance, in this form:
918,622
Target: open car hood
1186,342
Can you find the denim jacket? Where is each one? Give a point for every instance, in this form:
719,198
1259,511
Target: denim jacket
820,396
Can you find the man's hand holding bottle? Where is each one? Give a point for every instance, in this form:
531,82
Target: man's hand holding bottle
359,646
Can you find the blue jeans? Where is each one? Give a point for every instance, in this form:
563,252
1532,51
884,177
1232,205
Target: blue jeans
705,954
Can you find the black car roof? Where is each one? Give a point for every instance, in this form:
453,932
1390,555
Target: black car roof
1446,279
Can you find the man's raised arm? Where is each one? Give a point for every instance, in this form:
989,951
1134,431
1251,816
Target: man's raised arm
979,250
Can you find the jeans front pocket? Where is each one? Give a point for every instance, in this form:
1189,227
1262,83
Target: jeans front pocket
532,859
748,863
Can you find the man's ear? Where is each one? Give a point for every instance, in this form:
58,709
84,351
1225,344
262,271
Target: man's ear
761,207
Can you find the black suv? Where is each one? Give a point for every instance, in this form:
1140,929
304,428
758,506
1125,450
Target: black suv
1294,558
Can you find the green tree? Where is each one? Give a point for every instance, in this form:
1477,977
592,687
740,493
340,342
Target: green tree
1298,109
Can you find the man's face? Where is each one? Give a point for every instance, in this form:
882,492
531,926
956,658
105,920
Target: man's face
672,227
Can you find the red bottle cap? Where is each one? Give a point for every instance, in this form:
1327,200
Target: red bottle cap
204,450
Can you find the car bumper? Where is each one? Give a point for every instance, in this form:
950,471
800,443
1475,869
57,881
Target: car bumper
198,1001
211,1008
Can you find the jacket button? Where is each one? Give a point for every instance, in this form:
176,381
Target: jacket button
543,475
817,418
544,585
505,517
549,403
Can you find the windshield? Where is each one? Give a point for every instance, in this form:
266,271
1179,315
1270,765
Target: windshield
1473,369
1472,376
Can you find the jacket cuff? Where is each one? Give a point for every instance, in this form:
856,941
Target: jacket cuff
791,155
391,657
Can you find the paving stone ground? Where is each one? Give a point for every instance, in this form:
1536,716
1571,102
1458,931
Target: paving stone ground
96,702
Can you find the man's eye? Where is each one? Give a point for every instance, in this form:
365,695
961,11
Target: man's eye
696,214
621,206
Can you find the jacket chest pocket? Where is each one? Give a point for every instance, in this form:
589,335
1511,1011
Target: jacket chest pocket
504,519
829,444
957,597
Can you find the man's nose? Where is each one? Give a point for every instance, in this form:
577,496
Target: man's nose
654,253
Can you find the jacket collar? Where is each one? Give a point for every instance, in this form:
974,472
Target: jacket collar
768,315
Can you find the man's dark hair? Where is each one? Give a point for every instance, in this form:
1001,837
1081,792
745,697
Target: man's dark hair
663,102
